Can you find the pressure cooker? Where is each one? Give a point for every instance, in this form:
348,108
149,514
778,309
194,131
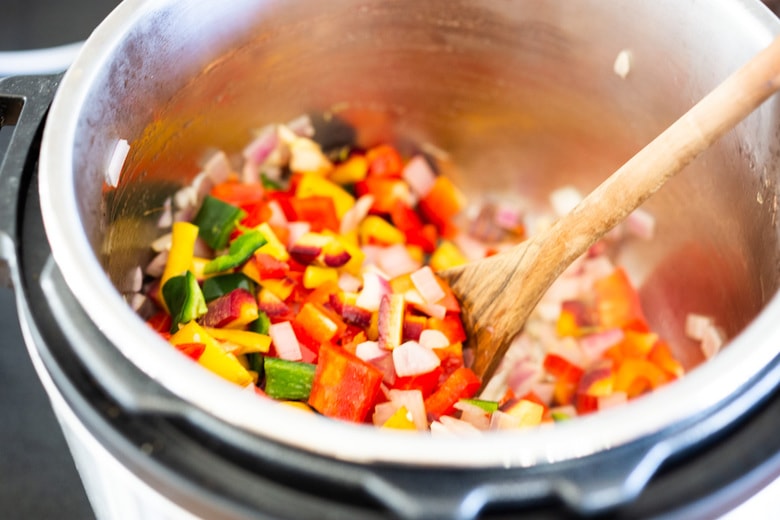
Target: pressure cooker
523,96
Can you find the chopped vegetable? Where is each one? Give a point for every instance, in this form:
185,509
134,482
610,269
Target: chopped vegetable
288,380
314,283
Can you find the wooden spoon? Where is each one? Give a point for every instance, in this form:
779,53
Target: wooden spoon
498,293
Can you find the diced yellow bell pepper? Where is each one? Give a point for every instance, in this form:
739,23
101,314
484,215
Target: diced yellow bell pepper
446,255
248,341
183,236
354,265
314,185
213,358
282,288
529,412
273,245
376,230
416,252
298,404
400,420
350,171
250,271
314,276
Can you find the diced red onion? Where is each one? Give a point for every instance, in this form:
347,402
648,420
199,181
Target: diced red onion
383,412
428,285
355,215
349,283
503,421
277,218
495,388
131,282
186,197
370,350
307,156
203,185
296,230
250,173
411,359
285,342
414,403
451,425
594,345
522,376
433,339
544,391
595,269
395,260
419,175
156,267
137,301
166,216
473,415
218,167
712,340
507,216
261,147
471,248
117,162
374,288
301,126
162,243
696,325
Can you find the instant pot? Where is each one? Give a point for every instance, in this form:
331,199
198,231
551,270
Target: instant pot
523,90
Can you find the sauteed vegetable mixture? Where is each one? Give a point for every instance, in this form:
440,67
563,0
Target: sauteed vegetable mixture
310,278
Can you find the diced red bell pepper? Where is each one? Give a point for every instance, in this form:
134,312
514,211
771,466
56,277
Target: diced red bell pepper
192,350
586,403
635,376
387,191
319,211
238,193
256,214
160,321
269,267
462,384
561,368
617,303
345,387
442,203
384,160
661,355
418,234
284,200
425,383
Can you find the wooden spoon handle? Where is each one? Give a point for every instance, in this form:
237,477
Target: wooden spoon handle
499,293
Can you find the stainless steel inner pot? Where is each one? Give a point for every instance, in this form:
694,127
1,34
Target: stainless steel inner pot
523,97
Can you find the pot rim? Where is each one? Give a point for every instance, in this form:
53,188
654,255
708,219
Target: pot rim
699,392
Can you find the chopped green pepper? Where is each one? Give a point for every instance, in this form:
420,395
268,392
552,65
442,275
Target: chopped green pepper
488,406
216,220
289,380
239,252
217,286
184,299
256,363
262,324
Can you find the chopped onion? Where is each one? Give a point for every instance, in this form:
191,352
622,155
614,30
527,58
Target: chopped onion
474,415
117,162
426,282
507,216
696,325
166,216
370,350
258,151
301,126
186,197
374,288
395,261
503,421
431,338
156,266
285,342
349,283
162,243
413,401
296,230
594,345
217,167
412,359
419,175
712,340
355,215
307,156
277,218
132,281
451,425
471,248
